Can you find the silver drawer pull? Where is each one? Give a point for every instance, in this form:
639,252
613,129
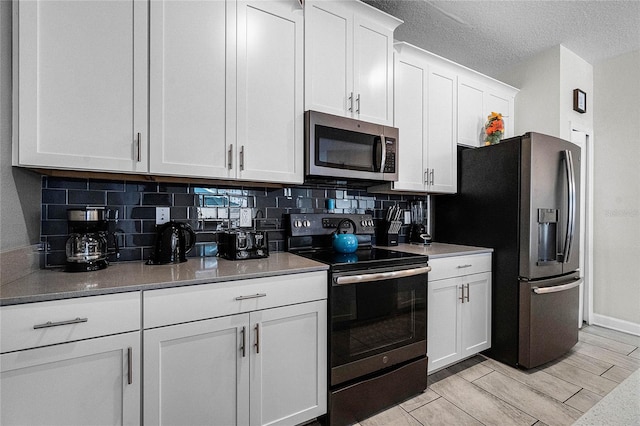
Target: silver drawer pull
464,266
56,324
252,296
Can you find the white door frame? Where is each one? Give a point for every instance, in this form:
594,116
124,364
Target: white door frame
587,224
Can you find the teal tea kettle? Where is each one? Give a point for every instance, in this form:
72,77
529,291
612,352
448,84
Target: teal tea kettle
345,243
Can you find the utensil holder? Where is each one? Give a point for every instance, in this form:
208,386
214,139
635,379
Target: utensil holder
387,233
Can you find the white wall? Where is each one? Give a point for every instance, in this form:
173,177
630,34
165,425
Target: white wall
616,106
19,188
538,101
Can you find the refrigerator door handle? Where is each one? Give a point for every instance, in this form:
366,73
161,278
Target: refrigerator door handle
557,288
571,205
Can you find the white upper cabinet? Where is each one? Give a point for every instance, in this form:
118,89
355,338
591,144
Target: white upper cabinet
425,112
189,65
270,115
227,89
80,85
349,60
478,96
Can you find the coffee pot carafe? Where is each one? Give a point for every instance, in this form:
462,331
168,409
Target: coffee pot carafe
173,241
87,245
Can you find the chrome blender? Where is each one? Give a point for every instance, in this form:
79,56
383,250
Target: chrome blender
418,231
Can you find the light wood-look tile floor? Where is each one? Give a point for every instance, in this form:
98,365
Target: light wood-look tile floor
481,391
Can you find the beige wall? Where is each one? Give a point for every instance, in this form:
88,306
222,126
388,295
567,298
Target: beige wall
19,188
616,236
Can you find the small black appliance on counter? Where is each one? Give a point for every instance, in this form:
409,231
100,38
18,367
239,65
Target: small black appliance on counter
87,247
239,244
173,241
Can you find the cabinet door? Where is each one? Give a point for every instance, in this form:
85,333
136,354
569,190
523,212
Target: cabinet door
81,94
288,364
197,373
443,331
373,72
441,140
503,103
328,57
188,79
410,117
90,382
270,91
476,314
471,112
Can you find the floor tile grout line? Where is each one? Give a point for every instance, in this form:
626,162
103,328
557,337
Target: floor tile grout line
587,326
610,351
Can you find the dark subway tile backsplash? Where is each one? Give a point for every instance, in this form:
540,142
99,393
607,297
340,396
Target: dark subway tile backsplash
133,205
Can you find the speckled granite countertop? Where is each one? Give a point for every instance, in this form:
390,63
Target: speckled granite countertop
436,250
52,284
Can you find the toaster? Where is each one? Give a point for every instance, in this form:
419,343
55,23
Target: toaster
238,245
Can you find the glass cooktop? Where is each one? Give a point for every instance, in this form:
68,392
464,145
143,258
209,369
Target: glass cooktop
364,258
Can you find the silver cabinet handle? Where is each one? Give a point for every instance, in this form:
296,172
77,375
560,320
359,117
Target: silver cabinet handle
59,323
557,288
464,266
351,102
461,298
467,285
242,158
353,279
358,104
251,296
130,365
257,344
426,177
432,178
244,341
230,157
139,141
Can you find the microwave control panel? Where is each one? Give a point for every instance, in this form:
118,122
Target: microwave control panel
390,157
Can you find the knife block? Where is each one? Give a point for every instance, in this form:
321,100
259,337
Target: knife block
387,233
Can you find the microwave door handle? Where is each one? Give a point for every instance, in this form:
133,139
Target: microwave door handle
571,205
383,156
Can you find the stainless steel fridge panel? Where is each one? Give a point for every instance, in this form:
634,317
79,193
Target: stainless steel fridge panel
549,219
548,320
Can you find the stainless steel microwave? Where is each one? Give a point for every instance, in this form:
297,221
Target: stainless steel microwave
345,148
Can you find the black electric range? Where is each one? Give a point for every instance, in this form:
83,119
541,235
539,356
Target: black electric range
377,310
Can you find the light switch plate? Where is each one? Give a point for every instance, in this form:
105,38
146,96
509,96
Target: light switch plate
162,215
245,217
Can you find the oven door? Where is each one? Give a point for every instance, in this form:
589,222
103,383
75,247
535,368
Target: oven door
378,319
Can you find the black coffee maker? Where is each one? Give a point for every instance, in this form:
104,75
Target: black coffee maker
87,245
173,241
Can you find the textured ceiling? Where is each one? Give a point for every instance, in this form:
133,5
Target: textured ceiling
492,36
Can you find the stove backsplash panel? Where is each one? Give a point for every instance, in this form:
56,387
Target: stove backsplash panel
208,209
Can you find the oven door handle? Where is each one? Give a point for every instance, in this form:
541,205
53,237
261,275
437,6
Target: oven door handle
379,276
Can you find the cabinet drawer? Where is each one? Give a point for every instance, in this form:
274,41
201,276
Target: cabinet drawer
46,323
191,303
455,266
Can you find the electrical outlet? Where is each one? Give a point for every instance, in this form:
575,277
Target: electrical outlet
162,215
245,217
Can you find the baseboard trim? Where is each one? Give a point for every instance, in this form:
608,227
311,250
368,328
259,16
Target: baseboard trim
616,324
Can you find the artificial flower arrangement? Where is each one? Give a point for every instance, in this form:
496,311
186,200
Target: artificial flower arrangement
494,128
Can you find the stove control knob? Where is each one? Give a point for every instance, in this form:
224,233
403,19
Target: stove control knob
307,223
297,223
363,222
370,222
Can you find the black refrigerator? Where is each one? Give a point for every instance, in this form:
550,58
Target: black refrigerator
521,198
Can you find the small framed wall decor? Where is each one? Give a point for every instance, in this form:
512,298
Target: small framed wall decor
579,101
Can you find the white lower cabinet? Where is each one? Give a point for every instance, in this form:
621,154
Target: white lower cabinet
264,366
459,309
94,381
